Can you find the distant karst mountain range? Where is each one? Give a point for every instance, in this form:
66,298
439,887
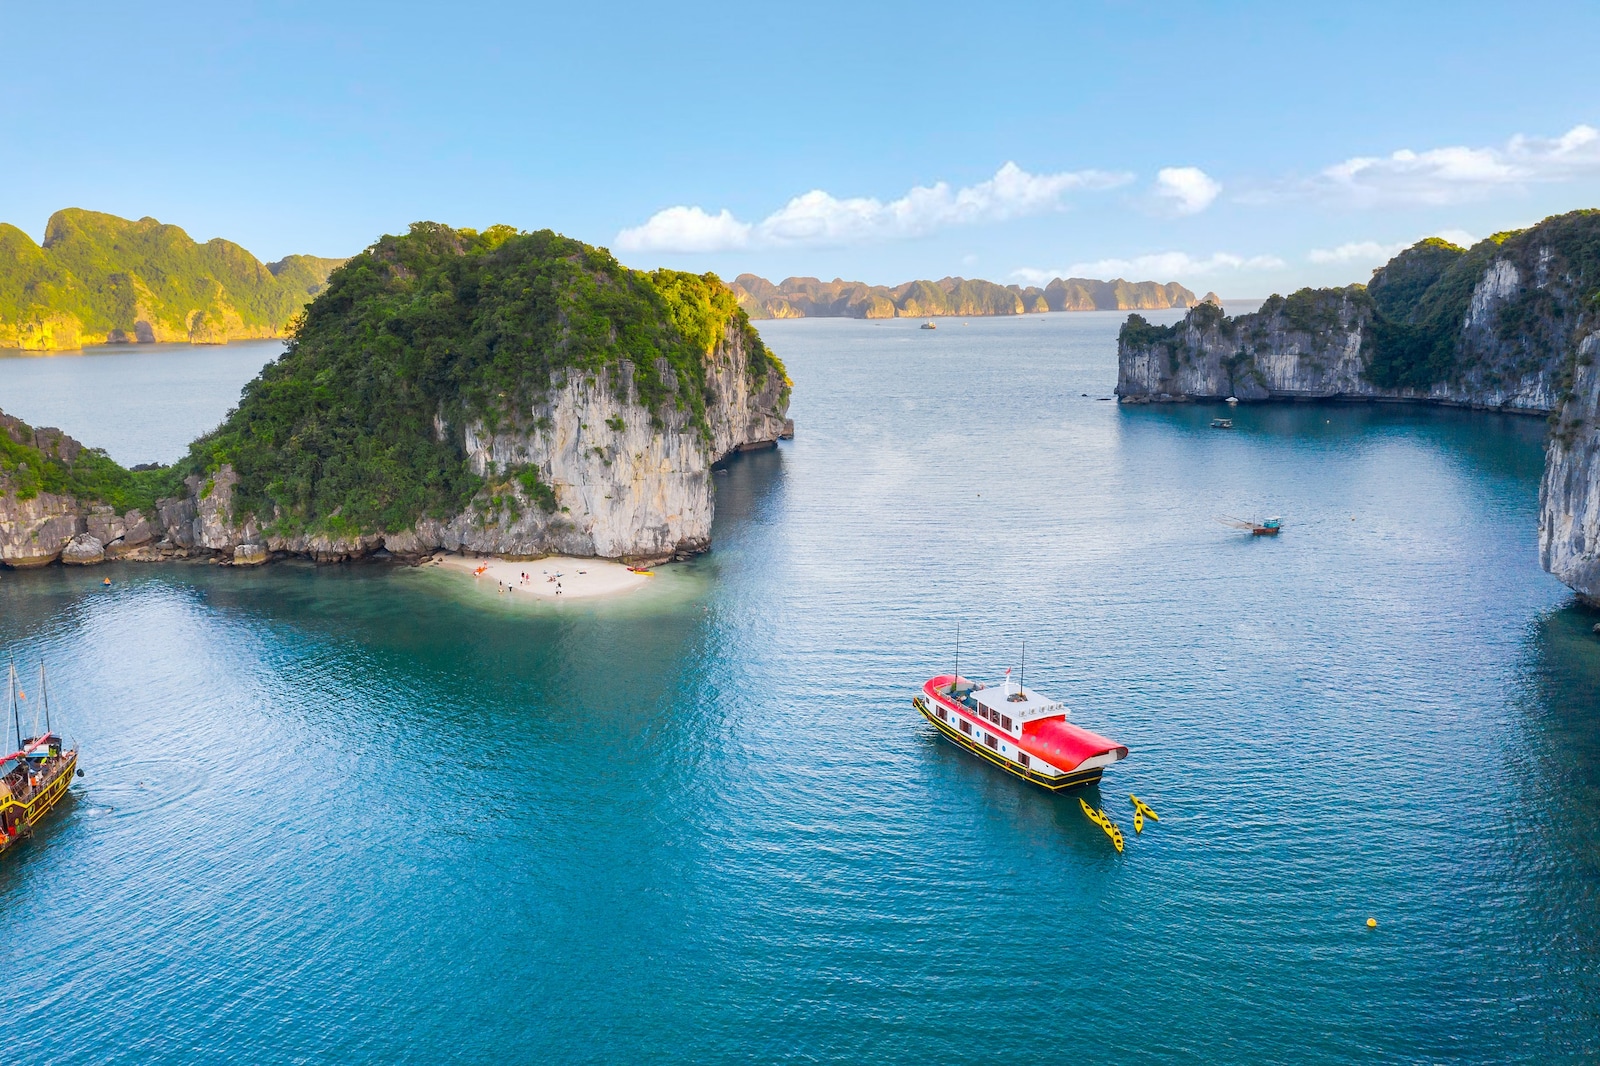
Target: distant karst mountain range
812,298
102,279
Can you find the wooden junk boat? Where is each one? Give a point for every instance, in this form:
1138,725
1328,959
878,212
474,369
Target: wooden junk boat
35,776
1021,732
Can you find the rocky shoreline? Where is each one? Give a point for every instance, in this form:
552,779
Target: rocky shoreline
625,486
1508,326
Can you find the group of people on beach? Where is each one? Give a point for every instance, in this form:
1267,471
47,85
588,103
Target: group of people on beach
523,579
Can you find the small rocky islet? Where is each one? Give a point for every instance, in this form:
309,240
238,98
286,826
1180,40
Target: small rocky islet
1510,324
495,392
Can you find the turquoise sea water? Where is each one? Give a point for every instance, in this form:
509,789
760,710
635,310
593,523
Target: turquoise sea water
368,814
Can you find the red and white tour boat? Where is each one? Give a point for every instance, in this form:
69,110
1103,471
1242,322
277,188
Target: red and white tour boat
1019,731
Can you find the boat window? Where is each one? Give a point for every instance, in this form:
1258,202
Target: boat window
966,727
988,738
941,714
1023,756
1005,721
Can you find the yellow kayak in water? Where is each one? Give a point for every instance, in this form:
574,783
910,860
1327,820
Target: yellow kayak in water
1141,807
1098,817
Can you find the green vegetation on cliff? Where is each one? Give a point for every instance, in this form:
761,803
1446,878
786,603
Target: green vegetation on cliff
440,326
45,460
100,278
1417,330
813,298
1421,297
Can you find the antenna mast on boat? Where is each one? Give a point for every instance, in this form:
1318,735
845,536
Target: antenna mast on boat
11,682
44,694
957,680
1023,673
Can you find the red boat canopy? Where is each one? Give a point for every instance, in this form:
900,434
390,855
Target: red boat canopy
1065,745
1054,739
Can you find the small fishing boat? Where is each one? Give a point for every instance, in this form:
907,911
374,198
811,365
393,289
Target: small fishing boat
928,325
1267,527
1021,732
1222,423
35,776
1232,401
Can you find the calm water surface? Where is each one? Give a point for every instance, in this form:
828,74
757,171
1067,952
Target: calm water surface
365,814
142,403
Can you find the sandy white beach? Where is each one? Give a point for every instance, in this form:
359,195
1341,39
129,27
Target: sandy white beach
557,576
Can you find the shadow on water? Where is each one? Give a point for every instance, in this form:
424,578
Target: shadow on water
1507,446
1554,836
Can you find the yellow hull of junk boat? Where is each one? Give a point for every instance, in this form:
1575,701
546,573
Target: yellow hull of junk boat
35,777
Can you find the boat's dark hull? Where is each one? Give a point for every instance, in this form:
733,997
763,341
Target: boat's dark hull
1054,784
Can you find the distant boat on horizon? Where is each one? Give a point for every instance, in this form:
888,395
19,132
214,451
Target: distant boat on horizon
929,325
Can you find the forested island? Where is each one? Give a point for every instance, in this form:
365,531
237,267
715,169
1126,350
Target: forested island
1510,324
496,392
812,298
101,279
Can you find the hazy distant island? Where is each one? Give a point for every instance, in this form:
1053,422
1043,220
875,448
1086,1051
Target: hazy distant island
1511,324
811,298
505,393
101,279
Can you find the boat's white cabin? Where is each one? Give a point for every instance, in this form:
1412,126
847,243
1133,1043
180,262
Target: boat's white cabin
1015,703
1019,703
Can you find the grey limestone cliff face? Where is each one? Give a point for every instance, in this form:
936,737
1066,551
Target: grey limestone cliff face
1569,493
1318,346
34,531
626,485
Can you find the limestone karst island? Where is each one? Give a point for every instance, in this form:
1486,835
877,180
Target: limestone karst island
101,279
1511,324
501,393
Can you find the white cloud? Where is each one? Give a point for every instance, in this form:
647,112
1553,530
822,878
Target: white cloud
820,218
686,229
1162,266
1357,252
1456,174
1185,190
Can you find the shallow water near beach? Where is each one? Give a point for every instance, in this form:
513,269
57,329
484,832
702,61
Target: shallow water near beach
372,814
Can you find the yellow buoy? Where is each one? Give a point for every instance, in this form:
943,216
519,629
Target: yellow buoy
1372,923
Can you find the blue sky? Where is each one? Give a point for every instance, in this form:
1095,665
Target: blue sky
1246,148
